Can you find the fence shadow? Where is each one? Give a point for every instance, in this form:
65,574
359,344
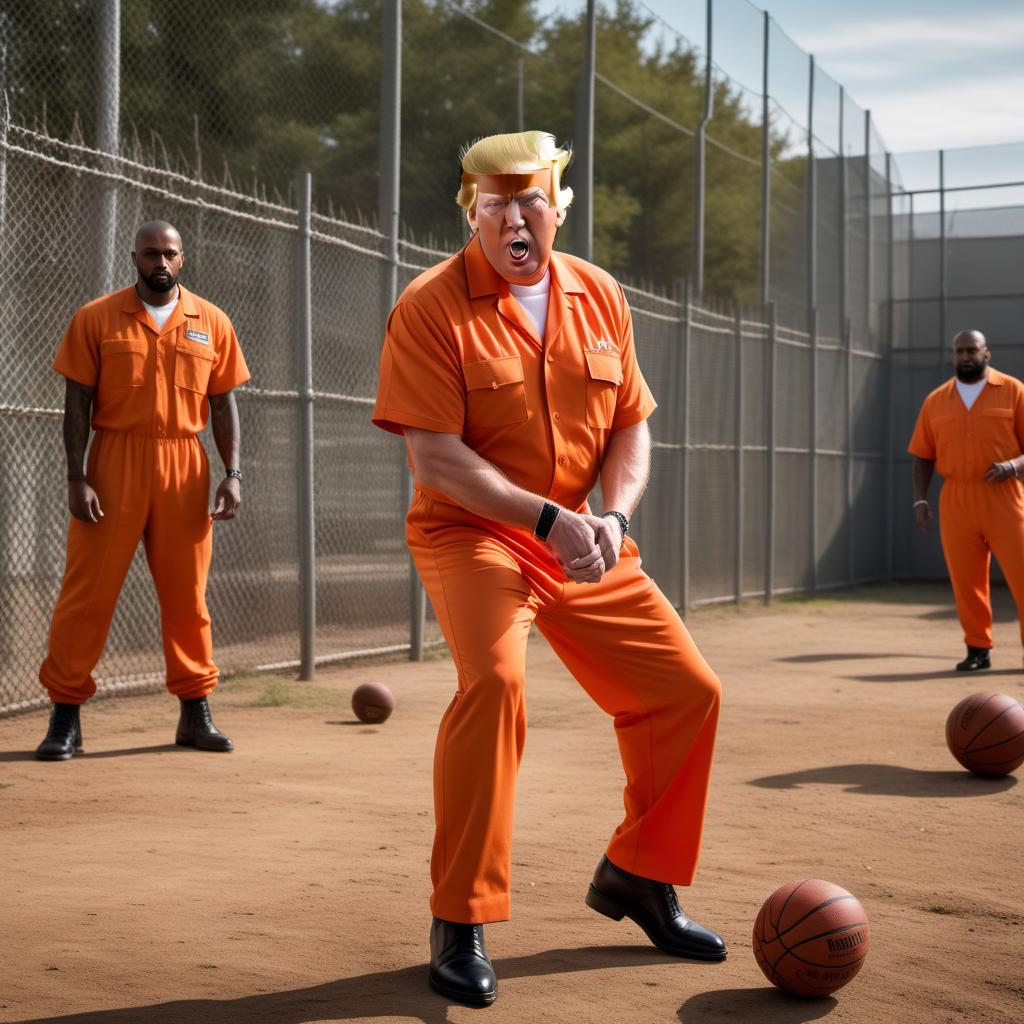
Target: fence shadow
890,780
161,748
766,1005
401,993
815,659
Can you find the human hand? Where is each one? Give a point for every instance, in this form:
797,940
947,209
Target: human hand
923,514
608,534
573,540
1000,471
227,499
84,502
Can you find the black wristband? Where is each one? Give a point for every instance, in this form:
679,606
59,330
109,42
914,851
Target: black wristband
235,473
622,520
548,515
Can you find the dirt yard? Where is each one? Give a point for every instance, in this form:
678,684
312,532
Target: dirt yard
287,883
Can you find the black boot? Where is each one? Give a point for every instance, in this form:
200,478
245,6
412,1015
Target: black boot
196,728
64,737
652,905
459,965
977,658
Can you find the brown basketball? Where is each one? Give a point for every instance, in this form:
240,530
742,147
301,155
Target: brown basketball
985,733
811,937
373,702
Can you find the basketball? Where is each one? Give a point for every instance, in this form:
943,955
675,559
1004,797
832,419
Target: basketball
811,937
373,702
985,733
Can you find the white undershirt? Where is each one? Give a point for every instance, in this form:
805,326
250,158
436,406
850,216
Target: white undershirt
969,392
161,314
534,299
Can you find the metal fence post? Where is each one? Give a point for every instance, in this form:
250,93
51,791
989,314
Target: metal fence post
942,258
520,95
766,168
304,364
851,539
843,199
389,204
741,499
890,330
868,233
771,382
684,442
812,329
583,151
812,198
700,159
108,104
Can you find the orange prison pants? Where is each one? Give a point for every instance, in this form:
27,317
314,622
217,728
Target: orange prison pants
977,520
156,489
624,643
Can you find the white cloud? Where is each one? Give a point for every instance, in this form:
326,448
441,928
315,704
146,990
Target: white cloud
950,113
935,38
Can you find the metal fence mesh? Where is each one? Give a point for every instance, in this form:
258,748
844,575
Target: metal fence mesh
780,429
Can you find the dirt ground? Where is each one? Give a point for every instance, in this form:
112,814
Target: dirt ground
287,882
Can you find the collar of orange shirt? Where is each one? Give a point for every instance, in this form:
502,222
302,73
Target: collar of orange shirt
482,279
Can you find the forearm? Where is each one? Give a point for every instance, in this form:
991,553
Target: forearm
77,407
472,482
227,433
626,468
923,470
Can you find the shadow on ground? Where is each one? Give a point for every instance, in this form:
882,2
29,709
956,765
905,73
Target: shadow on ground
816,659
923,677
890,780
766,1004
403,993
161,748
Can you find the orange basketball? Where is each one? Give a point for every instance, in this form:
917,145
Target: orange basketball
985,733
811,937
372,702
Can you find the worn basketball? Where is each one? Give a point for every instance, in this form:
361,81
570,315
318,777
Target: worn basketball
811,937
985,733
373,702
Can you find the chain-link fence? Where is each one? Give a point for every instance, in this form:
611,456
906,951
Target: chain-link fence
772,248
958,229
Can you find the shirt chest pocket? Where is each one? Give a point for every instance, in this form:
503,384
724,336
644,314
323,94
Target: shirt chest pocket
604,375
192,366
123,362
495,393
998,426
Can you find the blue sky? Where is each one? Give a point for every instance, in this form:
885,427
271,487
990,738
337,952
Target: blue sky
934,74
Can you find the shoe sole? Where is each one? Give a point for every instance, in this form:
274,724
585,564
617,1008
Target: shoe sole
56,757
484,999
974,668
599,902
209,750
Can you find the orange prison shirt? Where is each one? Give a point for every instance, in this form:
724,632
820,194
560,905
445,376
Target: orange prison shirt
461,356
150,383
964,444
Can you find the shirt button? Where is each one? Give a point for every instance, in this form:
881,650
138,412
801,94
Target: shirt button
556,415
562,460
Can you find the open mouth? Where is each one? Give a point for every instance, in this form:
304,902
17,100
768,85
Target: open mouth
518,249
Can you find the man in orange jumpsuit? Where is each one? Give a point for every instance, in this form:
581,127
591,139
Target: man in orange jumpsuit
151,362
511,372
971,429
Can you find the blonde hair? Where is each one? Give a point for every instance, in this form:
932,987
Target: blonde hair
515,153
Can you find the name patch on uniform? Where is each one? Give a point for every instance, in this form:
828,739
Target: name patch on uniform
199,336
603,346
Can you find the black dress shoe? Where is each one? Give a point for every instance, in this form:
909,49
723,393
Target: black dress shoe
64,737
652,905
196,728
459,965
977,658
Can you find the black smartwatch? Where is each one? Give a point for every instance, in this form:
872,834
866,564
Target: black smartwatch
546,519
